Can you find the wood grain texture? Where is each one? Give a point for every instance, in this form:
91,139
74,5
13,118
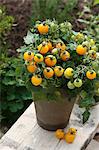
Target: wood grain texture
20,129
93,145
25,134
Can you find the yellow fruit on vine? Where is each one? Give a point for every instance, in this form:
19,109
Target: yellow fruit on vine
70,85
65,55
78,83
50,60
38,58
68,73
32,67
48,72
43,28
36,80
81,50
43,48
58,71
28,56
61,46
91,74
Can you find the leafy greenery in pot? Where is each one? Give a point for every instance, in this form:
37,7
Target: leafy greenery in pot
56,57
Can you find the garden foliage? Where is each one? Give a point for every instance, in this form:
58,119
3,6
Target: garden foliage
49,9
5,26
13,92
70,50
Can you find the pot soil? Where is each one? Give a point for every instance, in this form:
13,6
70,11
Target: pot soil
52,115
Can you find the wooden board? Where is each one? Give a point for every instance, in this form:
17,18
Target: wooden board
93,145
25,134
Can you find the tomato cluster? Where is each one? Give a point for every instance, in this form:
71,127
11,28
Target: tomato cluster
59,58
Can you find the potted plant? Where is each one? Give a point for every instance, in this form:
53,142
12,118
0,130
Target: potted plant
61,64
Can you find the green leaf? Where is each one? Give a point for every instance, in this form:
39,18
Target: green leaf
2,117
20,82
8,81
3,105
20,105
18,70
26,96
22,49
10,73
10,96
86,115
30,38
11,82
14,107
87,102
83,94
83,21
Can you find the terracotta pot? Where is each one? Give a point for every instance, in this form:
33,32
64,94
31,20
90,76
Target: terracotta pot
52,115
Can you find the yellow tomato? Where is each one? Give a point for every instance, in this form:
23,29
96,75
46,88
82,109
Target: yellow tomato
32,67
65,55
58,71
38,58
50,60
48,72
36,80
28,56
61,46
43,48
43,29
91,75
60,134
68,72
81,50
69,138
70,135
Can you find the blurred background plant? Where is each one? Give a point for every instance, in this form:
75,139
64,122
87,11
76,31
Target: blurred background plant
13,92
89,17
49,9
21,11
5,26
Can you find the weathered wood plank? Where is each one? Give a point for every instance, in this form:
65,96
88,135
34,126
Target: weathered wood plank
93,145
20,129
25,134
6,148
39,139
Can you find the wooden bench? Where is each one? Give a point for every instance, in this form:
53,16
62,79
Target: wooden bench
25,134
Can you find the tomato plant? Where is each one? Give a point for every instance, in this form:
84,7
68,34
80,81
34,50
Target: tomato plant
68,63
